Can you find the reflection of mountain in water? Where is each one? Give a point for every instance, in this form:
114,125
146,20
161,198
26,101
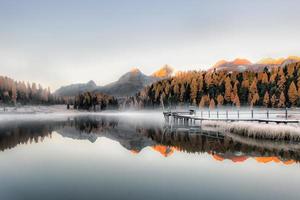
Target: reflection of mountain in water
167,141
91,128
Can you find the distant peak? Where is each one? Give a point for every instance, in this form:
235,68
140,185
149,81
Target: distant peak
135,70
237,61
241,61
220,62
165,71
279,61
91,82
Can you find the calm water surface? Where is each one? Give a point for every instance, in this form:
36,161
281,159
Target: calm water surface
127,157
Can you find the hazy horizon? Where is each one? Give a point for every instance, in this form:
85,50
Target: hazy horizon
57,43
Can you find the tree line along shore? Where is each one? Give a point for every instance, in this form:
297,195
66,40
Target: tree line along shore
272,87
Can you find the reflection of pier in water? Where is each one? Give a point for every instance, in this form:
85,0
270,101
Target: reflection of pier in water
235,148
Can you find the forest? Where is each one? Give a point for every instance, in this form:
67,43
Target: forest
275,87
95,101
16,92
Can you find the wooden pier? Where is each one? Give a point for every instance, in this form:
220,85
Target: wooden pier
188,118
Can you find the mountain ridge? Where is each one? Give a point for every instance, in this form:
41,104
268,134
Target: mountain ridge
242,64
127,85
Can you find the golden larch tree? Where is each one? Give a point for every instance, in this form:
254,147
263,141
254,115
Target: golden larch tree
281,102
266,99
292,93
202,102
182,92
281,82
253,87
245,83
212,104
291,69
194,90
237,101
265,78
228,89
273,100
220,100
235,88
254,100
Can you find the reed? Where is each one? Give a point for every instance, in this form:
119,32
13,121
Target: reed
256,130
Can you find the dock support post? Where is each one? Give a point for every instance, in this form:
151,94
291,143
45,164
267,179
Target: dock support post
227,114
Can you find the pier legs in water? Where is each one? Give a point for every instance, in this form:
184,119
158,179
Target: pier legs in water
186,121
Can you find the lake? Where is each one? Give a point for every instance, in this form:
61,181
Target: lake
137,156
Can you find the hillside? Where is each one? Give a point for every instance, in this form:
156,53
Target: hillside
75,89
272,87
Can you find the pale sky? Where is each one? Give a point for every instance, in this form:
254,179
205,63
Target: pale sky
58,42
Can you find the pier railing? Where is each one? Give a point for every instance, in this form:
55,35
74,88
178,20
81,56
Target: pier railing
258,115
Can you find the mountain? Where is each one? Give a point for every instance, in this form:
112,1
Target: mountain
164,72
127,85
75,89
241,64
279,61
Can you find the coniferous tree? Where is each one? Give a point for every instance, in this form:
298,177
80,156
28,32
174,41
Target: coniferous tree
273,100
212,104
266,99
220,100
228,89
293,94
281,102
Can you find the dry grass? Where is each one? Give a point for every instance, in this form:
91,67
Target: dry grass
257,130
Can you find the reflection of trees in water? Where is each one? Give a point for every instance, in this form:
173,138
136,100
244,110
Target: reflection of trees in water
226,146
23,133
13,134
94,124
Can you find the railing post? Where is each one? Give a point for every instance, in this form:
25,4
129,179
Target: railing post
201,113
267,114
218,113
286,113
238,114
227,114
208,113
252,114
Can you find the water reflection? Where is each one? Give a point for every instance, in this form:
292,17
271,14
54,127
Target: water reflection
13,134
137,135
